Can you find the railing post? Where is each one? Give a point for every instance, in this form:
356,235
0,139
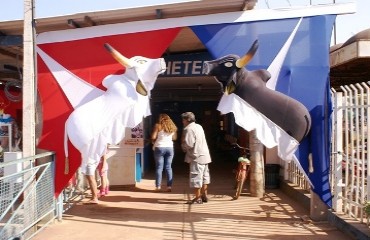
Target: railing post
59,207
336,156
367,131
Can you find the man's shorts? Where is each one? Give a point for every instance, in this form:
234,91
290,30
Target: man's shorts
89,169
199,175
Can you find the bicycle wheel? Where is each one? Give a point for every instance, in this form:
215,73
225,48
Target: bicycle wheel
240,183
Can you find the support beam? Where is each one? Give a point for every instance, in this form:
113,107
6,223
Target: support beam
10,54
13,68
13,75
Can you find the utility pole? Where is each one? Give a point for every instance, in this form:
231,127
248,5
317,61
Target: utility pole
335,30
29,80
28,93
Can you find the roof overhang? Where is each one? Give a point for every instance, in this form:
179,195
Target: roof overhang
229,17
61,28
350,64
352,52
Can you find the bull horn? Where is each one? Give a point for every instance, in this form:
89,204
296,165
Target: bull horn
118,56
241,62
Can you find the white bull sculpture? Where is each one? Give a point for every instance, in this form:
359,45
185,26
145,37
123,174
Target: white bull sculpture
103,120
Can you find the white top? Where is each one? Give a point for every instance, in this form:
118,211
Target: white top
163,139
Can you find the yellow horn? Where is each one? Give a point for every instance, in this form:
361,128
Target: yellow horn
118,56
240,63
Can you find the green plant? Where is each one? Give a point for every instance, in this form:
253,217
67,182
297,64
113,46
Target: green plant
367,208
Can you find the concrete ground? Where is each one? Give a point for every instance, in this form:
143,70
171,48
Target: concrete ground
141,214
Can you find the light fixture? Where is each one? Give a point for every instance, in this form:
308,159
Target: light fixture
249,4
158,13
89,21
72,23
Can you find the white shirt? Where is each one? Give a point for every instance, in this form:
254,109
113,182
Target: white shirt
195,145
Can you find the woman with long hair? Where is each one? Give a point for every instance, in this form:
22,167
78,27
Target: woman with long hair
163,135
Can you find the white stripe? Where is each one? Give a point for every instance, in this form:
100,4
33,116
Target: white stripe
278,61
232,17
76,89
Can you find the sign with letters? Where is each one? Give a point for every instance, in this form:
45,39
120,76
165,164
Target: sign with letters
185,65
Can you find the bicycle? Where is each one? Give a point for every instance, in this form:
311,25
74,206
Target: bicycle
242,172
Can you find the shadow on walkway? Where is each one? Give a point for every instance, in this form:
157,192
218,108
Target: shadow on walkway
142,214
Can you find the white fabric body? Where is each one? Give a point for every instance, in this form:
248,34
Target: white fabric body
270,134
103,120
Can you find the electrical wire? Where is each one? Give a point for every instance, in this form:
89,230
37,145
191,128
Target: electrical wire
267,3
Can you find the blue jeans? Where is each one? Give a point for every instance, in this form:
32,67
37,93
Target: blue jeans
163,159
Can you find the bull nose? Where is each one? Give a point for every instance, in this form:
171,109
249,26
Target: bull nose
205,68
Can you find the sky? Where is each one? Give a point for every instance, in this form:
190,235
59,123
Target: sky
346,25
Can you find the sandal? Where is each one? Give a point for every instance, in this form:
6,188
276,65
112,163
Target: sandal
204,198
93,201
195,201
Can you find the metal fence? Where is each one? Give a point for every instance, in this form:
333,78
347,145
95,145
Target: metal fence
75,191
27,202
349,161
293,174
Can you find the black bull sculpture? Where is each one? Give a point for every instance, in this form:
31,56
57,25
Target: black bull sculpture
286,112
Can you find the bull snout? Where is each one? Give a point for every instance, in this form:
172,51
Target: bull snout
206,68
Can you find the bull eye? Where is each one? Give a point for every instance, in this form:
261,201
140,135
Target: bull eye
228,64
141,61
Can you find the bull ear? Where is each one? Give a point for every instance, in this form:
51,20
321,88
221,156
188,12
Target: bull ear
241,62
118,56
140,88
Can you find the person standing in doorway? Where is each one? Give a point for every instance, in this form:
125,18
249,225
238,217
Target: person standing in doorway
163,135
194,144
